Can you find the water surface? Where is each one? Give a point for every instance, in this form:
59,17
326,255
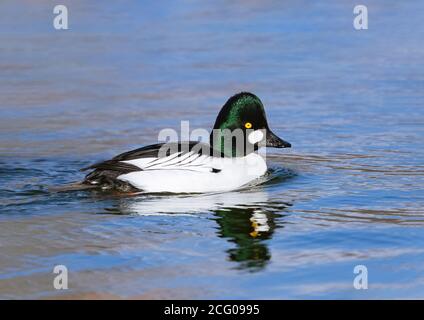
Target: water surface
349,192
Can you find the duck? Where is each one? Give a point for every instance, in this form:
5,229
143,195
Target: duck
228,162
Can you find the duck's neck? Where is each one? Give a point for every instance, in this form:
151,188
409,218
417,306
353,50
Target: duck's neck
228,145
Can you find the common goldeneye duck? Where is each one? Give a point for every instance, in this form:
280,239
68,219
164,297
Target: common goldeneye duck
228,162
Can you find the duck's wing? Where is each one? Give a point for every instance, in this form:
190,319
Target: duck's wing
190,155
116,162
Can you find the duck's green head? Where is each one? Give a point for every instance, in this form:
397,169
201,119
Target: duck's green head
243,114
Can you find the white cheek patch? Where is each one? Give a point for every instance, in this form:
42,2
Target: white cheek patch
255,136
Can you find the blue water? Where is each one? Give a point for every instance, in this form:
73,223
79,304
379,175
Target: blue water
349,192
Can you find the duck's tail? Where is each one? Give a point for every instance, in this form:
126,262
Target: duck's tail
75,186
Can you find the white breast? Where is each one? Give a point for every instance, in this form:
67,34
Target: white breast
193,173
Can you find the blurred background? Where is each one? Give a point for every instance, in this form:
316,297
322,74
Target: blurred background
349,192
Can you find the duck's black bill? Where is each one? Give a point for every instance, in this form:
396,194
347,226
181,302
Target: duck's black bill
274,141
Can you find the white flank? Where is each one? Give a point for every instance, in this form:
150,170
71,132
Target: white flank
194,173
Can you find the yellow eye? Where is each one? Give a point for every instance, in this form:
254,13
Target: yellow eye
248,125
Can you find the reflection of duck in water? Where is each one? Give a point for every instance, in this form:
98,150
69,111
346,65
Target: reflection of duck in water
245,218
248,228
